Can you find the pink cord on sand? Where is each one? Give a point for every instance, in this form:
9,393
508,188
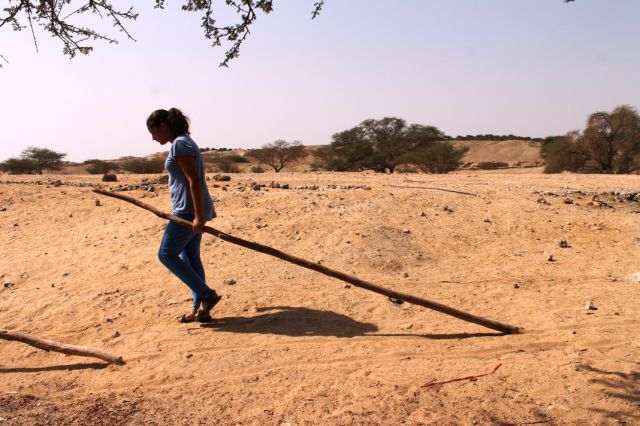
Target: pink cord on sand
469,378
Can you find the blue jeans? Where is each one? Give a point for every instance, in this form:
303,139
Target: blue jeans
180,253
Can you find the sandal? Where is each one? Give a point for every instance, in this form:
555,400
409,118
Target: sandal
203,314
186,318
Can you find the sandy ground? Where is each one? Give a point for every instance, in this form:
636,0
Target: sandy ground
289,346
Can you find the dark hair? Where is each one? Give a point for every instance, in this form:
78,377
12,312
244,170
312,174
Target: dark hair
177,122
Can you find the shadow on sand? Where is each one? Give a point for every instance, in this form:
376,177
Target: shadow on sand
617,385
299,321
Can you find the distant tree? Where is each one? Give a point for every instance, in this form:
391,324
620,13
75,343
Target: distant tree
68,22
437,157
18,166
378,145
609,144
43,158
278,154
612,140
96,167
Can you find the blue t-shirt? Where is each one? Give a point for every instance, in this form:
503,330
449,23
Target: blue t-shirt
178,183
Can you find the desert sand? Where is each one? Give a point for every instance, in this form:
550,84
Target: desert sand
289,346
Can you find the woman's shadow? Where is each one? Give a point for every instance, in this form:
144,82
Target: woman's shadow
299,321
293,321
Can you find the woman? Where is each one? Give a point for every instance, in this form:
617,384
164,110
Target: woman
180,247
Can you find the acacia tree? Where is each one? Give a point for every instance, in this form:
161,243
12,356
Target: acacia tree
43,158
61,19
278,154
34,160
378,145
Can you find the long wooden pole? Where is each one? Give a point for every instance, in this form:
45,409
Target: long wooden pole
50,345
494,325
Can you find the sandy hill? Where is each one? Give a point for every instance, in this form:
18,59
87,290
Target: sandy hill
481,154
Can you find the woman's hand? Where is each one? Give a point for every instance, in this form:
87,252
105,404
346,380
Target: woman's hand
198,225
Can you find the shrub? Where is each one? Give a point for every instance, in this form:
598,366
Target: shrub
144,166
561,153
491,165
437,157
257,169
18,166
97,167
224,165
237,158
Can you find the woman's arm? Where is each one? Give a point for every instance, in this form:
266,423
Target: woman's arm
188,165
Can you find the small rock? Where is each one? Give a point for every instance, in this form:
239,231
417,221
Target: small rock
229,281
222,178
24,275
551,258
516,285
171,302
406,326
98,203
423,214
406,231
564,244
188,355
347,286
590,306
568,201
633,277
636,240
255,186
65,274
395,300
487,220
447,209
3,209
116,334
109,178
405,274
542,200
284,186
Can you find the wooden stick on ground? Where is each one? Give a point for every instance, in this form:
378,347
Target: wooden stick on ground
434,188
494,325
50,345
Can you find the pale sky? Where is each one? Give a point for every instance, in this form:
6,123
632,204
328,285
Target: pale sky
525,67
